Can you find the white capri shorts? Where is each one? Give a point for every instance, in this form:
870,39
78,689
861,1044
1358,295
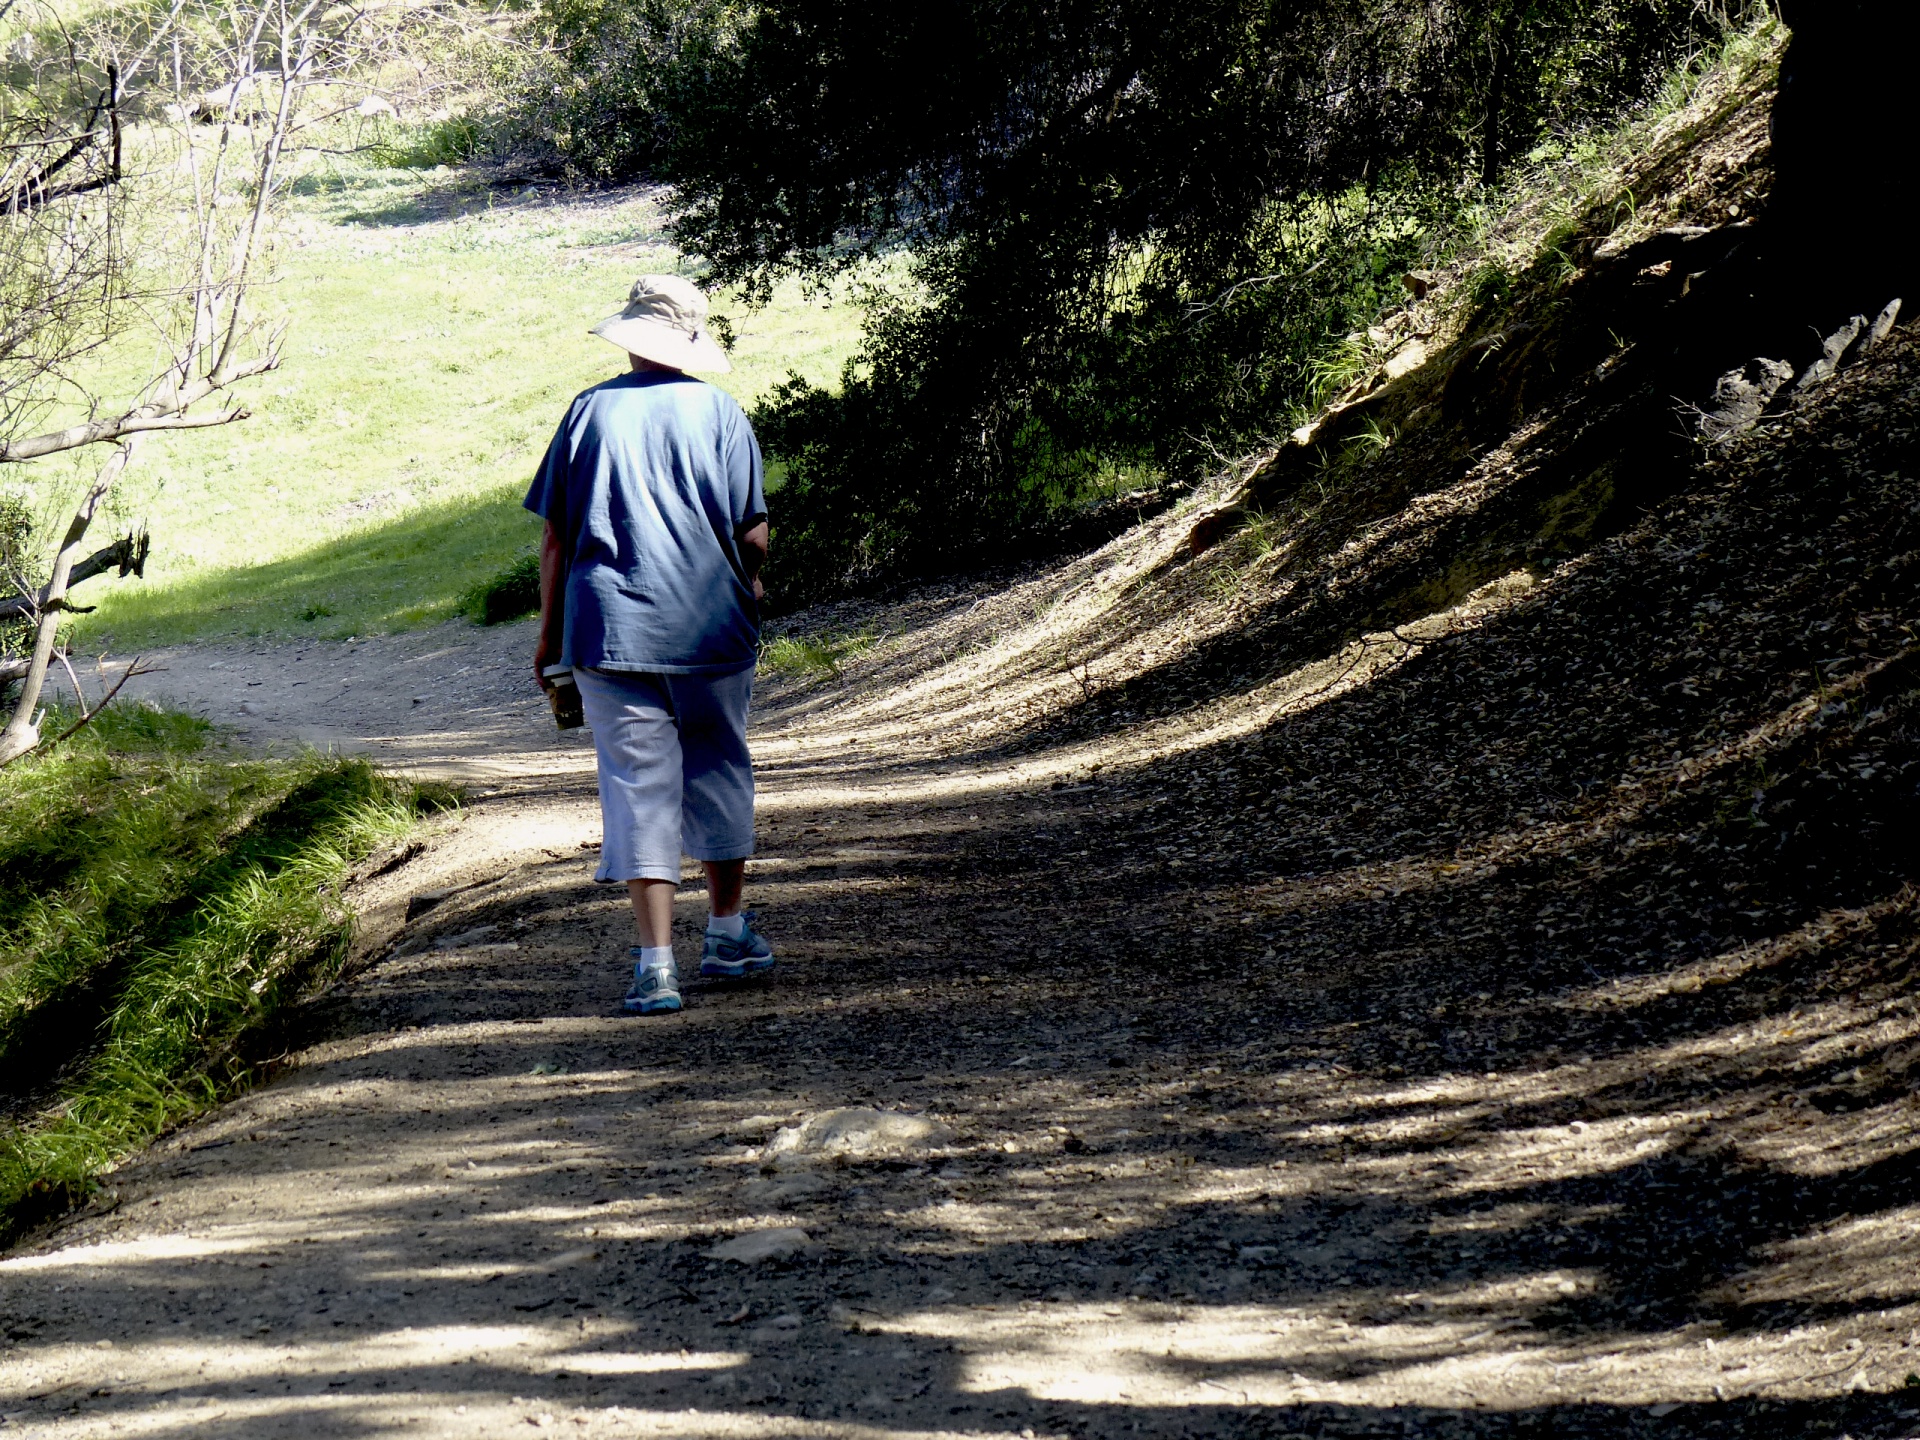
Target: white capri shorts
674,770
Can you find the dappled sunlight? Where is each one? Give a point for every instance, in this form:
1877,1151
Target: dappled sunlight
1132,1354
1849,1262
1126,750
1313,1055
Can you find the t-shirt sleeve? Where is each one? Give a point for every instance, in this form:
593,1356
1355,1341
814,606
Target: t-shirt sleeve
547,496
746,475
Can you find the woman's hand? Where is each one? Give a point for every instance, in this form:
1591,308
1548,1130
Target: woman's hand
542,658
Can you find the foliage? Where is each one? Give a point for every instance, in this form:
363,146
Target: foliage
160,902
1134,224
513,592
604,77
452,141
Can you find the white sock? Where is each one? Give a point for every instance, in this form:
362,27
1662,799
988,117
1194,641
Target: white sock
655,957
731,926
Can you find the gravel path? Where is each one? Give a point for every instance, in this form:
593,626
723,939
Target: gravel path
1033,1134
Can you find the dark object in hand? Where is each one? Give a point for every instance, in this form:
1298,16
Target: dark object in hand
564,696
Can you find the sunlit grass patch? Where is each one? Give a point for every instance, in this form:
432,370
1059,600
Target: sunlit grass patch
161,904
437,328
793,657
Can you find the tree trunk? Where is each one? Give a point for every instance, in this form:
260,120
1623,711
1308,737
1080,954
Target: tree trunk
23,730
1503,41
129,554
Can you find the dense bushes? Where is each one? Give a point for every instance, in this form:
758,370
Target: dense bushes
1133,223
606,79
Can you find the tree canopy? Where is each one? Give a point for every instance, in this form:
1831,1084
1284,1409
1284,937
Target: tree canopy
1132,223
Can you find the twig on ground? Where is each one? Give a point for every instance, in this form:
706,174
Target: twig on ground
86,715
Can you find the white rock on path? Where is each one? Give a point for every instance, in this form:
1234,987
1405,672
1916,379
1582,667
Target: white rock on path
855,1131
757,1246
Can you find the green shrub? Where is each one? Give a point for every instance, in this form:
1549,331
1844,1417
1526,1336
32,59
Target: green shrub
453,141
1134,232
514,592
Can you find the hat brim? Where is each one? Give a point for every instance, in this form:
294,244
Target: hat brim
662,344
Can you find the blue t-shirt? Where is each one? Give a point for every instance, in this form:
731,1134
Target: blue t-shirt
648,483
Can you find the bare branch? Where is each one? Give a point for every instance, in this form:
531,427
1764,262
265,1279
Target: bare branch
111,429
15,667
23,730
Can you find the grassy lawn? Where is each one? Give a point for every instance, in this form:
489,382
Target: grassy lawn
436,331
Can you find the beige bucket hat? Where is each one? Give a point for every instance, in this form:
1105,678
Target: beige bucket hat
666,322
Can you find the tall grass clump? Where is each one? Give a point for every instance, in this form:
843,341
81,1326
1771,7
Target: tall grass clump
513,592
794,657
161,905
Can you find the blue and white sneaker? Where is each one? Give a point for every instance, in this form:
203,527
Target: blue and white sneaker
655,990
730,959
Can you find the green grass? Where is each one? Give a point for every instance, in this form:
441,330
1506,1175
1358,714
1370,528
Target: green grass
796,657
436,331
162,904
514,592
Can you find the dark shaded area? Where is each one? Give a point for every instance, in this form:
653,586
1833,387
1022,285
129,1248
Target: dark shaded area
1840,231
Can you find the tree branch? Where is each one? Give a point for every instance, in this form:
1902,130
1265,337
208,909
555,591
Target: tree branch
129,553
163,415
15,667
23,729
99,431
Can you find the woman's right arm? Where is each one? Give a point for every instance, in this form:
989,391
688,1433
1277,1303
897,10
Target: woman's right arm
553,605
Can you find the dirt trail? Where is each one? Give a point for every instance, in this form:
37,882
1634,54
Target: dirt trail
481,1199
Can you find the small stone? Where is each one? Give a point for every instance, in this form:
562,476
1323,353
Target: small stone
758,1246
788,1188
